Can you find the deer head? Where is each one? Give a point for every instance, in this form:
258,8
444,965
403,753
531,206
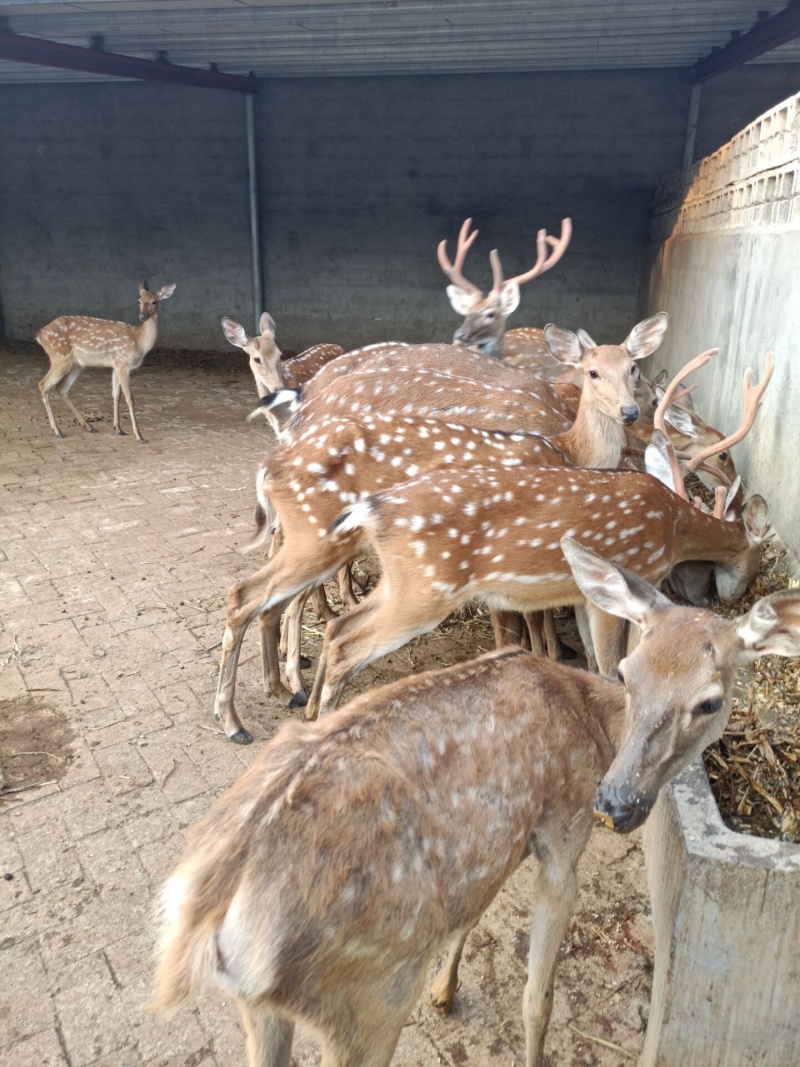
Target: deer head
265,356
673,715
148,302
485,316
610,372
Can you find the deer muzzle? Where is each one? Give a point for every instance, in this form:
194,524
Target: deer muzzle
630,414
619,808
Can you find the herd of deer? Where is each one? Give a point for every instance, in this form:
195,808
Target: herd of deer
510,467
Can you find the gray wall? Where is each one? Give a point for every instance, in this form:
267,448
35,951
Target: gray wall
732,100
724,263
102,184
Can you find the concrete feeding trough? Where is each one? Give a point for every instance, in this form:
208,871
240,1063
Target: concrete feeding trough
726,913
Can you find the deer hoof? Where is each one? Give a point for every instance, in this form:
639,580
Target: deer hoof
241,737
443,1005
142,440
299,699
305,663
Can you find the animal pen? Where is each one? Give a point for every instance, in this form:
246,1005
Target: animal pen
306,160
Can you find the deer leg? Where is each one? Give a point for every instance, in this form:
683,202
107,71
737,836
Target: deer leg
115,391
535,626
64,389
266,592
366,633
268,629
46,385
555,891
364,1031
321,605
556,649
507,627
124,381
293,625
443,988
269,1037
584,629
346,592
293,617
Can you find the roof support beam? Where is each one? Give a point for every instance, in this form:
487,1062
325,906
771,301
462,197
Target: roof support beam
763,37
22,49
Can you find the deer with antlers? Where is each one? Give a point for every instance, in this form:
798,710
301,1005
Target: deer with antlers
485,316
73,342
321,466
458,776
484,325
496,536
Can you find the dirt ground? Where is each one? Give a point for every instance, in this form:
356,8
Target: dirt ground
115,558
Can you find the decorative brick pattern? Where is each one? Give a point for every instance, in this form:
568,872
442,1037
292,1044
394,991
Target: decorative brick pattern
753,181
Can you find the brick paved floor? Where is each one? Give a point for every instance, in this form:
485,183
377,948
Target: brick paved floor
114,563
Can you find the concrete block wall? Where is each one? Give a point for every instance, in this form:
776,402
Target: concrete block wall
360,179
104,183
724,262
363,177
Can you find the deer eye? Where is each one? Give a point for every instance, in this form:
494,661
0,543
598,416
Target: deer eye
635,371
708,707
594,374
257,359
617,675
723,457
489,314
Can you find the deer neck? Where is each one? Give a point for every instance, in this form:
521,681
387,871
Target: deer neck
146,334
593,440
605,704
701,536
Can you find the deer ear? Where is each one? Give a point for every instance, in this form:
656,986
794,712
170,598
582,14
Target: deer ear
564,345
143,286
166,291
772,626
609,587
645,337
266,325
234,332
460,300
660,381
509,298
656,461
756,518
681,419
586,341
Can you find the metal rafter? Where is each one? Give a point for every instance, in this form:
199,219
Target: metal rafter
765,35
22,49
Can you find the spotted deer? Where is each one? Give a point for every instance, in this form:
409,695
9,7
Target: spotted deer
484,325
270,371
485,316
494,534
73,342
326,466
457,777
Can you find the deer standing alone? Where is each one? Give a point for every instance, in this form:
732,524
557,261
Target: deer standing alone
73,342
457,776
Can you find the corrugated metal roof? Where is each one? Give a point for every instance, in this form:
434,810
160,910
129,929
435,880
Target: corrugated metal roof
297,39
